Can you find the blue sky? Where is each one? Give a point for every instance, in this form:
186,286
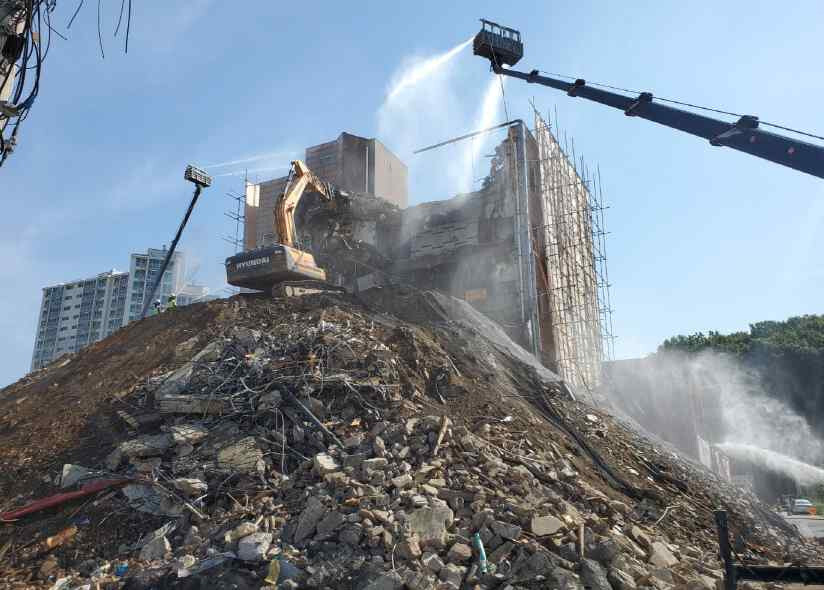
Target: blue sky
701,238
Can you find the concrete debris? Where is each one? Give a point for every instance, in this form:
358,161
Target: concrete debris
241,456
73,474
437,444
620,580
157,548
545,525
190,487
430,525
661,556
593,575
254,546
324,464
459,553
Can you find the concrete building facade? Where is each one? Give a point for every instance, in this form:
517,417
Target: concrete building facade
143,270
352,163
77,313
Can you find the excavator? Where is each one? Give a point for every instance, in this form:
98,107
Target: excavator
283,262
335,225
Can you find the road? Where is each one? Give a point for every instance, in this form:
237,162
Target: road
809,526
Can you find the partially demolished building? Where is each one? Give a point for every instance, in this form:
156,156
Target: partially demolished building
525,249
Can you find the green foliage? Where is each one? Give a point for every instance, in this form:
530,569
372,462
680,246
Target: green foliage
797,336
788,356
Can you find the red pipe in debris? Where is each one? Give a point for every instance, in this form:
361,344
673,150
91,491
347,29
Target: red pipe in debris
58,499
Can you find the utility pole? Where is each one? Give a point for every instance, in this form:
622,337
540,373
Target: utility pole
12,22
201,180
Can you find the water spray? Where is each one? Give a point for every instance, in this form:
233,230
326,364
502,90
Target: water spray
486,118
424,69
803,473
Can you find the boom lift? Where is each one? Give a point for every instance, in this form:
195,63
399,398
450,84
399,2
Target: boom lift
267,267
503,46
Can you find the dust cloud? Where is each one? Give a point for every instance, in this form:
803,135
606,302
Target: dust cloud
713,395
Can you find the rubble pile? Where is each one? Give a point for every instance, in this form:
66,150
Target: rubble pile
323,442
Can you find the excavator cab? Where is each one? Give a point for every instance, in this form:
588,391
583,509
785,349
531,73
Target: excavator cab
500,45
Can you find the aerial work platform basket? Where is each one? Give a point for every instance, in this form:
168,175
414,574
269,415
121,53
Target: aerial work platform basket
500,45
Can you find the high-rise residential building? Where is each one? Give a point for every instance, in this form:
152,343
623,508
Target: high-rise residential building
143,269
77,313
351,163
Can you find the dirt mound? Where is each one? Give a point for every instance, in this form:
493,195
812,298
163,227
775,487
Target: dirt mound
323,441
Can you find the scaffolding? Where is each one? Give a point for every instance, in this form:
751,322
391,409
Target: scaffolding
569,243
236,215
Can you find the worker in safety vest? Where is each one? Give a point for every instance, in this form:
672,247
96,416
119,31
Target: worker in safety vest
171,303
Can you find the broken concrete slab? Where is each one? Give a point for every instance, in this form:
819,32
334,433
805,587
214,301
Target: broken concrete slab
506,530
325,464
545,525
661,556
73,474
593,575
243,456
309,519
459,553
254,547
430,524
157,548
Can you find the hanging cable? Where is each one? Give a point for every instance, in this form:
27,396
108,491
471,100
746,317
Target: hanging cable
76,11
128,26
99,31
120,17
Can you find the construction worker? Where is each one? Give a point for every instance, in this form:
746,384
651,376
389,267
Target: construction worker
157,307
171,303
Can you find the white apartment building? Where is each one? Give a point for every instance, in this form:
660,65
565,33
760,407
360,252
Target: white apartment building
77,313
143,269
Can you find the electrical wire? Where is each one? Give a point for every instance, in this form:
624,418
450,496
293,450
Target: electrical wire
128,26
76,11
99,31
120,17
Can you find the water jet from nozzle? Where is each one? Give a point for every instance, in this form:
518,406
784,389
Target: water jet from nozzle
803,473
424,69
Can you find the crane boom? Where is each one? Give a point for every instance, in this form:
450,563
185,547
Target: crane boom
503,45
